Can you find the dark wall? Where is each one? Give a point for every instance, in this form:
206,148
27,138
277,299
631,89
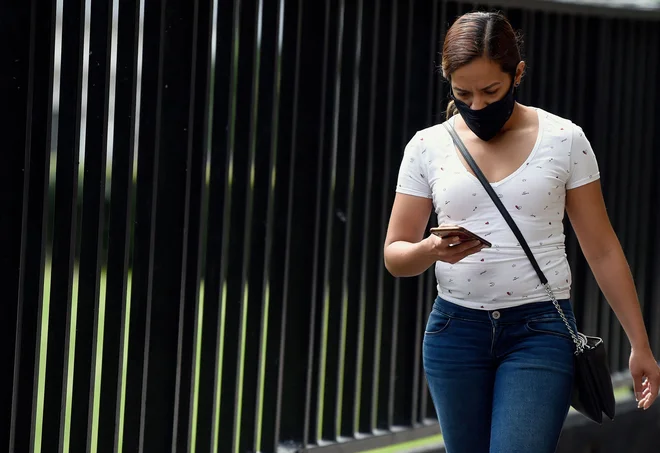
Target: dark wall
194,198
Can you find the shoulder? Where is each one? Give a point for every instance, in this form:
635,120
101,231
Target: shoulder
431,139
554,120
433,136
564,129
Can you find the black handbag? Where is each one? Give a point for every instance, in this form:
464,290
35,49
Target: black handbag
592,394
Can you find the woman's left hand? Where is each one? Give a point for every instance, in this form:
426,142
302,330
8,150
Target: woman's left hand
646,376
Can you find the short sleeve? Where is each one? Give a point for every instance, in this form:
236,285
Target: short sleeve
413,178
583,165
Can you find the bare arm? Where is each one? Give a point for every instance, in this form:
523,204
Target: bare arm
406,252
403,252
602,249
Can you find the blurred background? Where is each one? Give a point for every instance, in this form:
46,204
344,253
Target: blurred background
194,197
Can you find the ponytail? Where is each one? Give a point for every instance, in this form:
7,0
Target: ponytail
451,109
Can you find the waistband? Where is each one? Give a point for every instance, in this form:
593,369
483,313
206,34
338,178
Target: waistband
520,313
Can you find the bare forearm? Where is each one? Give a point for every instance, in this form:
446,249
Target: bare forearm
615,280
407,259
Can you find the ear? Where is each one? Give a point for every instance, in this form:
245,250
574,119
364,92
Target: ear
520,72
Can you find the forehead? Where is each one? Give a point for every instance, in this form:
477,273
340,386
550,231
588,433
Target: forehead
478,73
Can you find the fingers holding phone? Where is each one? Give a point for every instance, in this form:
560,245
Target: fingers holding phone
450,249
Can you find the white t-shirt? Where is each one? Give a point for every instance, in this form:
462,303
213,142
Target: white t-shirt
534,194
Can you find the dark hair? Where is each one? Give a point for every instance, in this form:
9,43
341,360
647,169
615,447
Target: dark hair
480,34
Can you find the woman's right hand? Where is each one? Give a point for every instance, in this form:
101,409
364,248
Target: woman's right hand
450,249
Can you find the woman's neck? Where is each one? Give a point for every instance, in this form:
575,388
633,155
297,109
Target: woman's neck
516,120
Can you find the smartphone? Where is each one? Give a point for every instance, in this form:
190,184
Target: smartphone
463,234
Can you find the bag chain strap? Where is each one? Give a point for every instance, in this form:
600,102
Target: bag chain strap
580,341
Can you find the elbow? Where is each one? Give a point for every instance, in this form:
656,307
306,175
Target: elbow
392,270
390,265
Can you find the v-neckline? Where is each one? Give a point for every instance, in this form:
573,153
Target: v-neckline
518,170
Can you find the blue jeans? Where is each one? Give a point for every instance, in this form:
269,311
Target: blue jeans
500,380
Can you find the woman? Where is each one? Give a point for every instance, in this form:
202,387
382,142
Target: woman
497,356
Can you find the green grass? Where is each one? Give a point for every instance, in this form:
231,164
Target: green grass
419,443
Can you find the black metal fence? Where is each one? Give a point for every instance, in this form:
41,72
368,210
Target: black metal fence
195,202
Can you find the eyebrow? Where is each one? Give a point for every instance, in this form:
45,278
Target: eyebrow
492,85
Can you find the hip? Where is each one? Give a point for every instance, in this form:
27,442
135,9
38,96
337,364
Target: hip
458,332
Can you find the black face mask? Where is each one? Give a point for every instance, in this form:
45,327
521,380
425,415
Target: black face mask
487,122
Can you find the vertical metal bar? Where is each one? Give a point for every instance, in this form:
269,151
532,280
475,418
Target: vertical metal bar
364,399
244,250
161,432
29,312
130,45
150,65
343,425
111,13
434,74
262,136
47,231
173,313
544,59
376,387
130,249
401,402
67,112
330,205
529,19
77,178
260,420
301,262
442,91
249,202
88,279
567,92
274,429
556,86
227,181
19,98
313,427
159,22
361,297
199,422
112,269
188,322
282,345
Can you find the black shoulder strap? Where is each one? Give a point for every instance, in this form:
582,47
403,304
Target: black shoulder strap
484,182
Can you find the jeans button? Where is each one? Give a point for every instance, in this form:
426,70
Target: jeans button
496,315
